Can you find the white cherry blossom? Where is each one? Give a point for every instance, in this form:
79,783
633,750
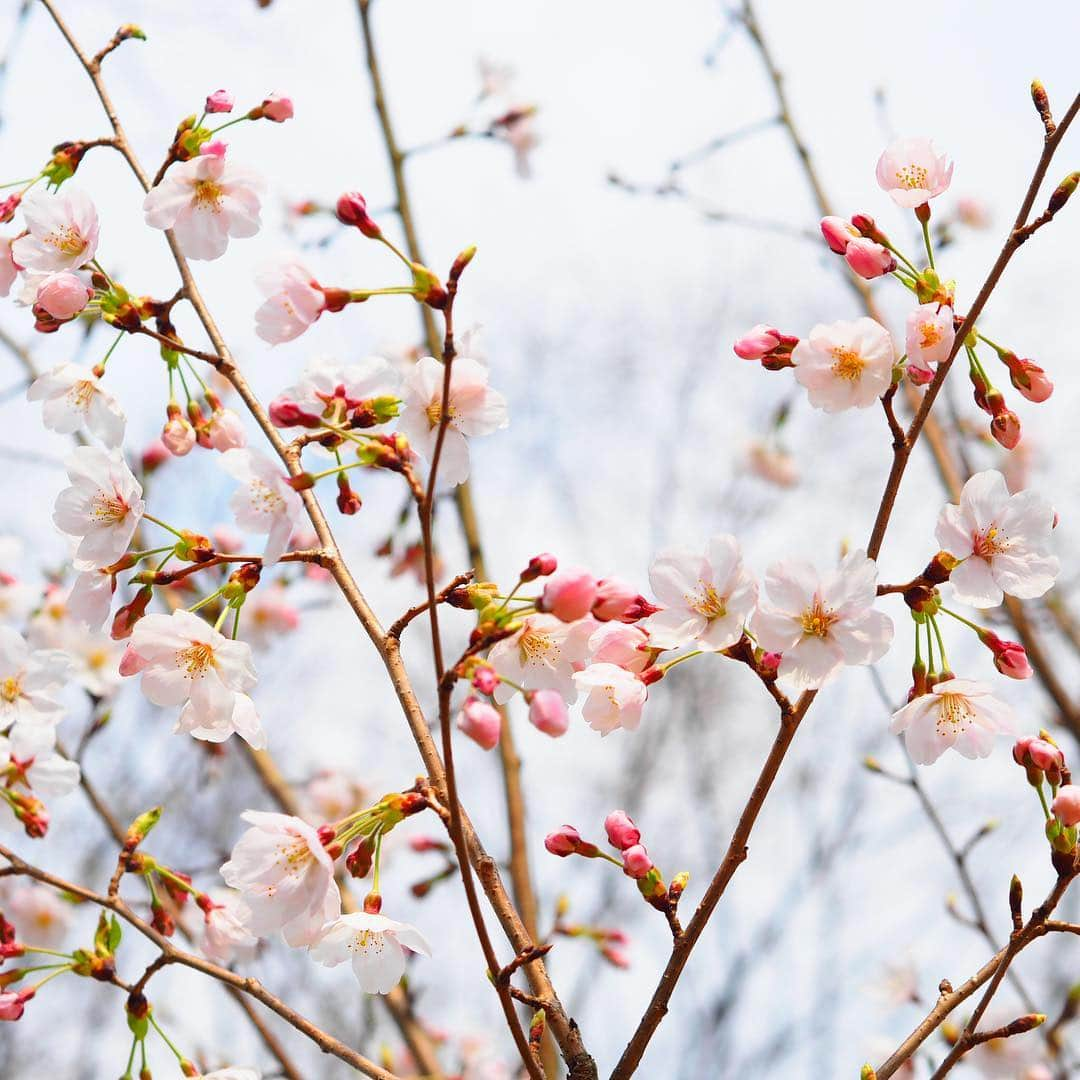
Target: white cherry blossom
1002,539
845,365
820,623
957,713
63,231
73,398
614,697
375,945
265,503
707,599
101,508
29,679
542,655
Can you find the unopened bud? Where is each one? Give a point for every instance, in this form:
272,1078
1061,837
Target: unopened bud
1061,194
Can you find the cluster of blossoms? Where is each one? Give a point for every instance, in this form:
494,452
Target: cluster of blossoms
851,364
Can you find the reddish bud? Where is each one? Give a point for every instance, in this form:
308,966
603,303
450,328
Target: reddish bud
351,209
543,565
1005,427
636,862
621,830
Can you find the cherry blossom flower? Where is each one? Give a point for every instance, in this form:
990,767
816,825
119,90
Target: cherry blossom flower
912,172
621,644
868,258
90,598
819,623
541,656
41,917
223,431
473,409
957,713
13,1003
707,598
47,773
1002,540
205,201
929,339
285,877
268,614
17,598
614,699
28,680
332,794
330,391
225,938
276,107
845,365
294,300
73,398
185,661
93,655
102,507
220,101
376,946
265,503
1066,805
772,464
569,594
63,231
62,294
8,270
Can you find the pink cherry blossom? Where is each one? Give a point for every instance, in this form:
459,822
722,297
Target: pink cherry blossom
636,861
41,917
285,878
473,409
225,430
265,502
912,171
707,598
772,464
205,201
225,938
13,1003
569,594
845,365
617,599
375,945
63,293
276,107
178,434
63,231
74,398
564,841
929,339
185,661
102,507
220,101
956,713
481,722
293,302
820,623
868,258
329,391
547,713
838,233
268,614
541,656
1002,539
757,343
1066,805
621,644
615,697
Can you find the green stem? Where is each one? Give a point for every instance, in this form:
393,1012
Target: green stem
229,123
161,524
927,242
1042,799
112,349
941,643
165,1038
931,669
960,618
678,660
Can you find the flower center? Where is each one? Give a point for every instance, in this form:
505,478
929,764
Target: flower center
196,659
954,714
988,544
434,412
847,364
709,603
264,498
368,940
10,689
81,394
535,647
817,620
207,196
911,176
67,240
929,335
108,509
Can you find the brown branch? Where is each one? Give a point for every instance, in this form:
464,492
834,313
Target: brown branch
252,987
399,625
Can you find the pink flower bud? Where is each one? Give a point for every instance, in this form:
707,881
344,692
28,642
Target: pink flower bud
770,662
1033,752
63,295
615,956
636,861
352,210
1010,657
178,435
131,663
277,108
758,343
481,722
13,1003
155,454
614,600
869,259
1030,379
286,413
621,831
225,430
215,148
1066,806
565,840
542,565
920,376
1005,427
485,679
569,595
220,101
547,713
838,233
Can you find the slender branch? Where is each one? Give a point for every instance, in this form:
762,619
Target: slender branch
399,625
252,987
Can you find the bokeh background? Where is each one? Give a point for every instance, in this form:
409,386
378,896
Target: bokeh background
606,315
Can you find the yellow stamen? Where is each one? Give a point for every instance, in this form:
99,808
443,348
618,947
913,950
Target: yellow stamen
847,364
